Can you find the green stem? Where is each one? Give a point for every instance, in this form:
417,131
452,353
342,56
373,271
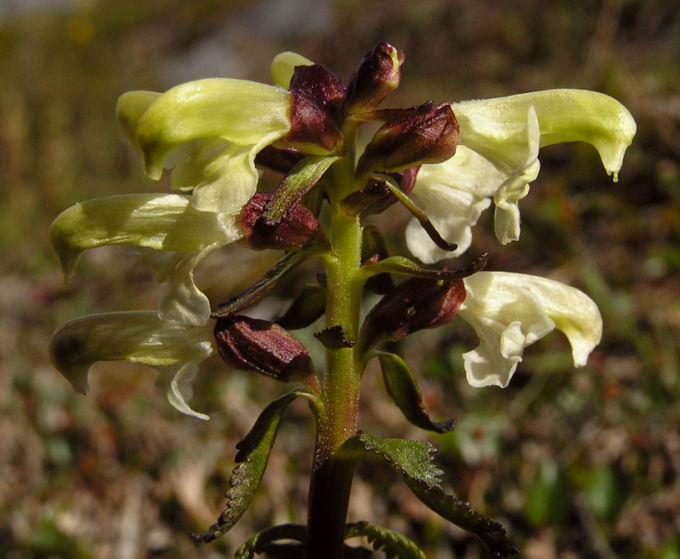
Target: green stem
331,474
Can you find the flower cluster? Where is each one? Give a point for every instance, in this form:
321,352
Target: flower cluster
445,162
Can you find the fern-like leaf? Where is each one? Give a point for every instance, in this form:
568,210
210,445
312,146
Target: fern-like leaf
392,544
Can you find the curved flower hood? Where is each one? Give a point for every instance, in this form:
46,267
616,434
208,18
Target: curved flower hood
173,348
497,159
511,311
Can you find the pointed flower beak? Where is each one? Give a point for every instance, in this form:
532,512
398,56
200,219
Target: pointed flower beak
511,311
497,158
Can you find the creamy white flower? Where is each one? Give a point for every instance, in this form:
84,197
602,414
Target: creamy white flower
497,159
173,348
209,131
511,311
175,234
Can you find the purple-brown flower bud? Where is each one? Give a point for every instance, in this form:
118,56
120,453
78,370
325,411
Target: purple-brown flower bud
295,231
377,76
413,305
281,160
321,86
430,136
262,346
375,197
317,100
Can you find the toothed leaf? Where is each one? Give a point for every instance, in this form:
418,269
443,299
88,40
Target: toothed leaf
412,459
253,453
392,544
492,534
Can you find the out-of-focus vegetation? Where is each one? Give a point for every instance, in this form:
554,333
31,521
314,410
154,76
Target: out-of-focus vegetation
576,464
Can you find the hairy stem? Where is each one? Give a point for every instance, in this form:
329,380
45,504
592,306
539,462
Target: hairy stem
332,474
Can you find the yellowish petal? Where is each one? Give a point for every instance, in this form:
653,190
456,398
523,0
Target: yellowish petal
511,311
136,336
453,194
229,181
130,108
181,300
238,111
495,127
283,66
156,221
180,391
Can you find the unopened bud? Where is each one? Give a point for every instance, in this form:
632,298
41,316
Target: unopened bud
262,346
281,160
413,305
377,76
321,86
295,231
376,197
430,136
317,100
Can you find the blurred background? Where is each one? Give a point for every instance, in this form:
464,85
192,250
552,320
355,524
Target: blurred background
575,463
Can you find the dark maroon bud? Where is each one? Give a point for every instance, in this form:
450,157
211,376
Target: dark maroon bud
295,231
281,160
317,99
321,86
312,129
390,115
262,346
377,76
413,305
375,197
422,138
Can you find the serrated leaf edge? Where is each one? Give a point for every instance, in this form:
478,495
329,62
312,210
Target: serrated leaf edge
392,544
